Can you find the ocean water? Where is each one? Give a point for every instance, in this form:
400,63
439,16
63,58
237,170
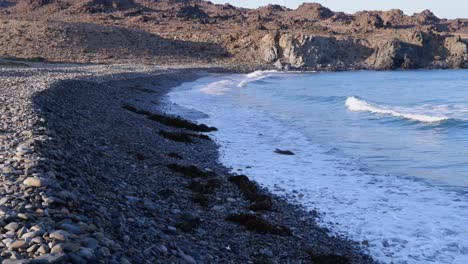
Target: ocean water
382,156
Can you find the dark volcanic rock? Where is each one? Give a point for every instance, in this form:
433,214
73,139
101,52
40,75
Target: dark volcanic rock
259,225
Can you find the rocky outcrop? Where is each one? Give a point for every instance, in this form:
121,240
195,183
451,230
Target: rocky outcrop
367,22
417,49
25,6
393,54
393,17
192,12
313,11
95,6
457,52
311,51
425,17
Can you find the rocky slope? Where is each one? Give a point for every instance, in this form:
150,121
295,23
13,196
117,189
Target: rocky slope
195,31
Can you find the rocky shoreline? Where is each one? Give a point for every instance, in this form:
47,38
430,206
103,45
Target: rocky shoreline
93,172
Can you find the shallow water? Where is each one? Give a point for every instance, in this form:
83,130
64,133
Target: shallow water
383,156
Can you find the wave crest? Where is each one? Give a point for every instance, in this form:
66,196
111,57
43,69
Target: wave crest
256,76
356,104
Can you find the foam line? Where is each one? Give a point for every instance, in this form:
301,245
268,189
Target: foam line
356,104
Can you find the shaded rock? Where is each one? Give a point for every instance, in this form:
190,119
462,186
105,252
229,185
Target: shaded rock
51,258
175,155
189,221
394,54
192,12
252,193
205,187
171,121
284,152
182,136
259,225
59,235
190,171
328,258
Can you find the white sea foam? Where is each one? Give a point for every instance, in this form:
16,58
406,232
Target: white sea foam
217,88
356,104
222,87
403,220
256,76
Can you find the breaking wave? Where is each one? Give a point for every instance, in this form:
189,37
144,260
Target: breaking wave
256,76
356,104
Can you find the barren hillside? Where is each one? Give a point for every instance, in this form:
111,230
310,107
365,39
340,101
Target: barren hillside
165,32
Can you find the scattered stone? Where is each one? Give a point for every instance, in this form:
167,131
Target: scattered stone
328,258
35,182
56,258
188,259
19,244
190,171
13,226
59,235
58,248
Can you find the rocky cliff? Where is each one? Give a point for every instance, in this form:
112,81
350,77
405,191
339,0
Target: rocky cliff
311,37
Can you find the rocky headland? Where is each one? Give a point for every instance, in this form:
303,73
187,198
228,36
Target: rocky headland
311,37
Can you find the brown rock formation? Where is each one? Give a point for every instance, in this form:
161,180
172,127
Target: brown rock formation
165,31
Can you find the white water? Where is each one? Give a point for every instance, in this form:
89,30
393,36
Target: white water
356,104
405,220
255,76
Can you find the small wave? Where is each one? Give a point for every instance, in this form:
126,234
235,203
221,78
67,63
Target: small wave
256,76
217,88
356,104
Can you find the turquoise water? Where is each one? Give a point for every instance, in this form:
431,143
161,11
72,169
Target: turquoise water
383,155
